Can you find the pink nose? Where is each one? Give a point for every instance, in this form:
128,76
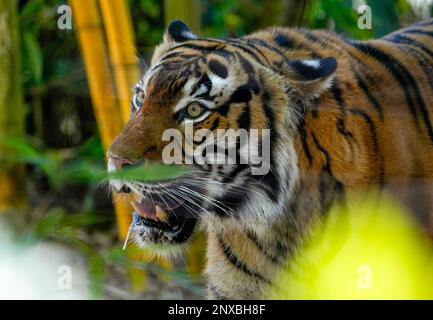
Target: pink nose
118,162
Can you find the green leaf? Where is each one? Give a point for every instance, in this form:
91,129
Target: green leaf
30,9
84,171
92,147
33,53
151,172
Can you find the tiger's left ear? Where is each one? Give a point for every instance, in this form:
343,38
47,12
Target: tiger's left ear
177,32
311,76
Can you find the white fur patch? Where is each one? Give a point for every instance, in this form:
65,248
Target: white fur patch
189,35
111,168
312,63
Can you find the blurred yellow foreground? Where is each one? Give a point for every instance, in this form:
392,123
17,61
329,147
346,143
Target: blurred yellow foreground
374,250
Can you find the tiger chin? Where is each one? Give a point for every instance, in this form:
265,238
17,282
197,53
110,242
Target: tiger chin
339,113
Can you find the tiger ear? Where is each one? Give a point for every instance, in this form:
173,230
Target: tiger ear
177,32
311,76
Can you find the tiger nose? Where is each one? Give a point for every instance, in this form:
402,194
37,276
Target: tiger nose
117,163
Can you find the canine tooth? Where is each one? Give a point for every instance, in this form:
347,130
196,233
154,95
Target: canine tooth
138,209
161,214
136,197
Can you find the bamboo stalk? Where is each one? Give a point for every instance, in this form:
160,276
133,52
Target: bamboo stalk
121,44
186,10
12,175
91,38
284,13
118,26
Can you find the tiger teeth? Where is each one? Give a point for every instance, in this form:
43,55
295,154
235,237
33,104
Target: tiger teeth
137,197
161,214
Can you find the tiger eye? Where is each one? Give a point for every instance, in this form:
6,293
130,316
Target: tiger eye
195,110
139,98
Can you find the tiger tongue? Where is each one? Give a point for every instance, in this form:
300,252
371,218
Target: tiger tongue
143,210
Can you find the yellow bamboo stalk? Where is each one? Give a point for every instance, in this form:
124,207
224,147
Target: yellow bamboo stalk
121,45
120,35
88,27
91,38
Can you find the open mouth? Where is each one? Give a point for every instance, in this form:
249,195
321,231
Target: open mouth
159,214
171,218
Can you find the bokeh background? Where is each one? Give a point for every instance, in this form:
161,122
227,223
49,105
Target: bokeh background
55,207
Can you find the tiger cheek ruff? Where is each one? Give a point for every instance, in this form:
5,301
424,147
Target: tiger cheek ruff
338,112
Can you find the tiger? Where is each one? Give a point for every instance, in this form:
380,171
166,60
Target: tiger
343,116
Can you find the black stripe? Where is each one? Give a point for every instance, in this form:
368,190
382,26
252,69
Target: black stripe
230,177
284,41
270,47
224,109
303,136
307,45
363,85
270,183
270,179
244,119
412,47
216,292
246,65
241,95
313,38
232,200
325,180
204,80
405,79
196,47
418,31
373,132
337,95
327,165
215,124
253,237
269,113
329,185
401,39
278,66
341,124
223,53
250,52
230,255
179,56
218,68
214,40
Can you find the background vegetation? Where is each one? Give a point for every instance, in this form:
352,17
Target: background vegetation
61,149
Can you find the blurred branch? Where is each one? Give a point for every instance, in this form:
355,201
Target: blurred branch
12,175
284,12
186,10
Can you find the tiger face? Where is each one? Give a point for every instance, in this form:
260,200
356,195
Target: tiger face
217,88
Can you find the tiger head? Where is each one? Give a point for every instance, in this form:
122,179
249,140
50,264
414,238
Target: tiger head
217,88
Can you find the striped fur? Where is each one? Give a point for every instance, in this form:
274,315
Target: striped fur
334,132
